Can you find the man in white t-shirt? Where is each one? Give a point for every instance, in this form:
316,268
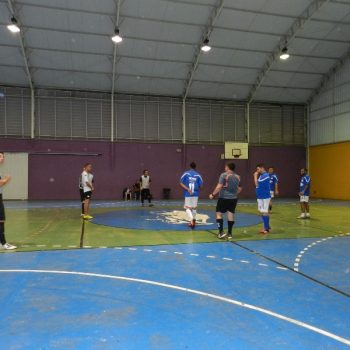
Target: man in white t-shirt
86,187
145,184
3,182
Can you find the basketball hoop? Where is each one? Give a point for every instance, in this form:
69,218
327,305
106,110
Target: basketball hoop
236,153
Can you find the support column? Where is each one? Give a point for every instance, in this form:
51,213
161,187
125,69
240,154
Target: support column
184,121
32,113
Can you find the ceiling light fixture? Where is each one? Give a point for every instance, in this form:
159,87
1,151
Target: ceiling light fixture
205,46
13,27
117,38
284,54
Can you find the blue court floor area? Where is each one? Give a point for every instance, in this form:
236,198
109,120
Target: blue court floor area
167,219
203,296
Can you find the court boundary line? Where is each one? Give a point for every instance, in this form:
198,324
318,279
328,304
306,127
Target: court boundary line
301,254
191,291
292,270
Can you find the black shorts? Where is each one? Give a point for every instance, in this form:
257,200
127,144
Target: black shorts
2,209
84,195
225,205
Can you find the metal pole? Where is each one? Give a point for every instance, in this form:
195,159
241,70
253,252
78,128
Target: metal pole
247,116
112,117
307,135
184,121
32,113
112,93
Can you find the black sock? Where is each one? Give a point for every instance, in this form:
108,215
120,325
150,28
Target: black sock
82,207
230,226
2,233
220,223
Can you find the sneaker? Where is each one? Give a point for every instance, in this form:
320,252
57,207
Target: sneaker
222,235
264,232
229,236
151,205
87,217
8,246
302,216
307,216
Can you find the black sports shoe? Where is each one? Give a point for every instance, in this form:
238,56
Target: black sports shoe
222,235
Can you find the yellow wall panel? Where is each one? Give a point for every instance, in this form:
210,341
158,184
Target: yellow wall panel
330,171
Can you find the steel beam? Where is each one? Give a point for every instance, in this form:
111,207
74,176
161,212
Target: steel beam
114,68
11,6
329,75
206,34
297,25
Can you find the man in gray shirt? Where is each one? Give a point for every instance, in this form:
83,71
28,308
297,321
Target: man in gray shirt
228,188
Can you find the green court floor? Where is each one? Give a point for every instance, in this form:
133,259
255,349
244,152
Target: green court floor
62,228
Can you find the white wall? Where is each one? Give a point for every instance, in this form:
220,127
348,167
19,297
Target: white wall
330,110
16,165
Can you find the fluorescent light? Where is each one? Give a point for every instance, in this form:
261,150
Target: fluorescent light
284,54
117,38
13,27
205,46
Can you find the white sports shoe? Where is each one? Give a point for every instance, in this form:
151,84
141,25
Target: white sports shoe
302,216
8,246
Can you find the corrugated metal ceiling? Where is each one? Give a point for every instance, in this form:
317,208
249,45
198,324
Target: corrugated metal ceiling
68,45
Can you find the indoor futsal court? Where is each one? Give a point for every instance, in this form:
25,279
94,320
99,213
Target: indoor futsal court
174,174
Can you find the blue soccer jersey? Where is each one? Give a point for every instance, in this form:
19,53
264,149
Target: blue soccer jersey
273,182
263,188
193,181
305,181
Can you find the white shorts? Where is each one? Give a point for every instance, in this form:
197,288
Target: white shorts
191,202
272,194
263,205
304,199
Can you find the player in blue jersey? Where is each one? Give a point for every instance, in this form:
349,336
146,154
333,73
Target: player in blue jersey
273,185
191,182
262,184
304,193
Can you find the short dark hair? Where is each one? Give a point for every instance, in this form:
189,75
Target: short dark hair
271,167
145,171
193,165
260,165
231,166
1,152
304,169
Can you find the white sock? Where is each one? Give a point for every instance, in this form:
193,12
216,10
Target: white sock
189,213
194,213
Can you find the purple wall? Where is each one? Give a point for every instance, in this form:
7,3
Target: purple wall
120,165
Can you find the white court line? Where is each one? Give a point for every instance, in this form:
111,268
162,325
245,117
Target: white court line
297,260
193,291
